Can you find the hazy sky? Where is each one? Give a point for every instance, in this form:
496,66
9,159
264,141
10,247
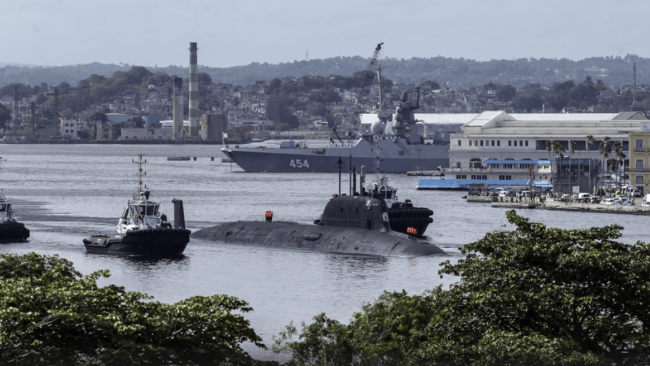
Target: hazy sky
238,32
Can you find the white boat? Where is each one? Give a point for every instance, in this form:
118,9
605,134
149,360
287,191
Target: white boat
143,229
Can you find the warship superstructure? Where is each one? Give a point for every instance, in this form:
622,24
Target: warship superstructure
398,142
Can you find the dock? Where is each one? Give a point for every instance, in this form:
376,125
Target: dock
547,204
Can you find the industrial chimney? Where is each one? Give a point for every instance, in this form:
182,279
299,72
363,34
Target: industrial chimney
178,108
195,117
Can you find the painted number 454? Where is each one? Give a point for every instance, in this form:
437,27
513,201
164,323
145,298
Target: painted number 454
299,163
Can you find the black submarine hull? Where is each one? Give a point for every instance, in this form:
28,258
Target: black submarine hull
333,239
155,242
13,232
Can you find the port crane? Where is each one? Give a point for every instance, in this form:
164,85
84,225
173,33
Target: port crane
369,74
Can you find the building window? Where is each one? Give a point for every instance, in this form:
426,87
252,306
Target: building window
509,143
639,143
498,142
515,143
521,143
481,142
470,142
458,164
526,142
475,142
479,176
507,166
639,165
492,142
458,142
505,177
639,179
461,176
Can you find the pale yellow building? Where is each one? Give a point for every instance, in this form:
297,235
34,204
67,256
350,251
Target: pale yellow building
639,157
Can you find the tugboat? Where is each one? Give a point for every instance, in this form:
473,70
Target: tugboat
403,216
10,229
143,229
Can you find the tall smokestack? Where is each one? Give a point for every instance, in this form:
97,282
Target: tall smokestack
178,108
195,117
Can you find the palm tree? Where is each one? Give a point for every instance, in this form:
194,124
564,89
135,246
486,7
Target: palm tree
572,145
604,149
590,141
549,144
558,150
620,155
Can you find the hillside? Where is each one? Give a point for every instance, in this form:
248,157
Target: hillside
455,73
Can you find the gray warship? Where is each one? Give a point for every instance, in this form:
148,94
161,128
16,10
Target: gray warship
395,143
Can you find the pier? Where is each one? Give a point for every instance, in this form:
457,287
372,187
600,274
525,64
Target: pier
549,204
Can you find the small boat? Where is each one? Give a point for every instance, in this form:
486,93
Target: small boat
143,229
403,216
10,229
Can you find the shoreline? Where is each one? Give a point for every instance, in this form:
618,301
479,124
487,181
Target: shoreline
563,206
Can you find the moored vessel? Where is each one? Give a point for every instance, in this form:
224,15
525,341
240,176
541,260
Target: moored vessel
398,139
10,229
143,229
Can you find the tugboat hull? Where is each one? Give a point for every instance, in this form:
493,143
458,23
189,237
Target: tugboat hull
12,231
402,218
154,242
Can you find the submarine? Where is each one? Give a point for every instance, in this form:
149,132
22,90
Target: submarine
349,224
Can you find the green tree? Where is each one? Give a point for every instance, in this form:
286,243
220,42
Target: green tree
278,109
590,141
432,84
604,149
617,148
559,94
530,296
505,93
5,115
53,315
528,103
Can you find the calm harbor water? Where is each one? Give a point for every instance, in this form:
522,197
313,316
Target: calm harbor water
64,193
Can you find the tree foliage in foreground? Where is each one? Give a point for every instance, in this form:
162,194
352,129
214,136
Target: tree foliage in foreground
52,315
531,296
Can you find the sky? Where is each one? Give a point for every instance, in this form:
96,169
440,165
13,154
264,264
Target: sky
239,32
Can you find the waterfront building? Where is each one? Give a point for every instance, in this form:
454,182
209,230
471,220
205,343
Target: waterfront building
494,173
71,127
639,157
145,134
496,135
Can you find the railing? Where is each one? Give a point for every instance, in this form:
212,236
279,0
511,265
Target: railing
640,149
637,170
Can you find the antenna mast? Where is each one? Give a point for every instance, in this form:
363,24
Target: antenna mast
140,173
634,88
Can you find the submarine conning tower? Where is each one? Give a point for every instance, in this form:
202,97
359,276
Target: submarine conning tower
361,212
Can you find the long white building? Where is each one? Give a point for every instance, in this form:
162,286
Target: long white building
496,135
